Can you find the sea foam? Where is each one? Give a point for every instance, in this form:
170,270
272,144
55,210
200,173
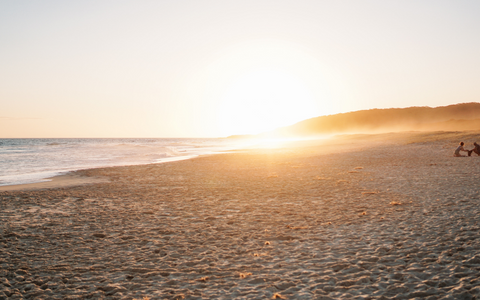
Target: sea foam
34,160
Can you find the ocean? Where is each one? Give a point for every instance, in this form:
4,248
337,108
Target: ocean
34,160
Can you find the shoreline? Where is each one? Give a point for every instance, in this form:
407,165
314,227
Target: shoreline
39,163
69,179
72,178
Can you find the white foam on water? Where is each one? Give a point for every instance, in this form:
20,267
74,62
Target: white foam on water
34,160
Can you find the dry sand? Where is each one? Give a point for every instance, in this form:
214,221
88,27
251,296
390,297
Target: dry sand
364,217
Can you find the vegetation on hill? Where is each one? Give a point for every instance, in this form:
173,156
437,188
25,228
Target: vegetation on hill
464,116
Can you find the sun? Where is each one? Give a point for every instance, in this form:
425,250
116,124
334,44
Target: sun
255,87
264,99
264,85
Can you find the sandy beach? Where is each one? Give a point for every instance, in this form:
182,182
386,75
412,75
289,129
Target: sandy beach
388,216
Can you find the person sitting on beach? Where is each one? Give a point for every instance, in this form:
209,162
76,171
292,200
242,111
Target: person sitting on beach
476,149
460,148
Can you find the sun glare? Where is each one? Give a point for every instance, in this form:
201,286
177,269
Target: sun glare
266,85
264,99
258,86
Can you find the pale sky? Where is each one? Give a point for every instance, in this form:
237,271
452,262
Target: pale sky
218,68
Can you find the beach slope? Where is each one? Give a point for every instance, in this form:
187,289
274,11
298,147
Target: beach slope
391,216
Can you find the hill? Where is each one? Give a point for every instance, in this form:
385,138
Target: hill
457,117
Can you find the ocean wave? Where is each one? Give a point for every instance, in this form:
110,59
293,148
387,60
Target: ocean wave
21,158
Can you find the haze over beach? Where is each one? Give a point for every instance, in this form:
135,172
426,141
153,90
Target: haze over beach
338,179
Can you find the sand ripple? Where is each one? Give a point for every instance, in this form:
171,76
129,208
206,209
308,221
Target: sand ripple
390,221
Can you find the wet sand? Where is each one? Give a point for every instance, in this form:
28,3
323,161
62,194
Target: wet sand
61,181
392,216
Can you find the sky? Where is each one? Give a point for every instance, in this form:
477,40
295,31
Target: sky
219,68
